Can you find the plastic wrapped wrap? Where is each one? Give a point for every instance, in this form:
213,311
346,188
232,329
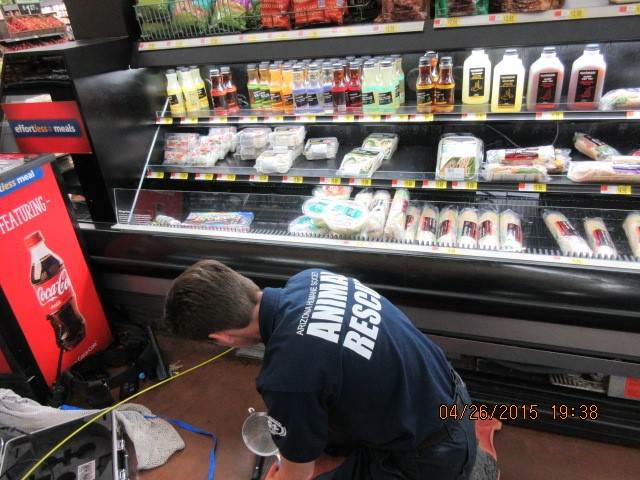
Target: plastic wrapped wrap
307,226
621,99
522,156
495,172
365,197
599,238
631,226
360,162
568,238
459,157
321,148
385,142
488,229
287,136
593,147
274,161
166,221
336,192
511,234
230,220
447,225
395,225
256,137
412,221
346,217
428,224
604,172
378,212
468,228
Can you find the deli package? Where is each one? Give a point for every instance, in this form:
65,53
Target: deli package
511,234
378,212
468,228
568,238
447,225
428,224
592,147
488,228
621,99
395,227
599,238
459,157
631,228
604,171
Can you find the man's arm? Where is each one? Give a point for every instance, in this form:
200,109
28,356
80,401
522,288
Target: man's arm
287,470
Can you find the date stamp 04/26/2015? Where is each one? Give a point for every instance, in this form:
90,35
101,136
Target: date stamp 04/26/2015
528,411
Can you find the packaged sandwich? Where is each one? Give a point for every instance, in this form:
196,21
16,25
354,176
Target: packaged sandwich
621,99
365,197
411,223
447,225
428,224
166,221
378,214
488,229
360,162
511,234
277,160
321,148
631,226
305,225
227,220
468,228
459,157
592,147
522,156
394,228
385,142
337,192
346,217
316,207
257,137
568,238
599,238
604,172
289,136
495,172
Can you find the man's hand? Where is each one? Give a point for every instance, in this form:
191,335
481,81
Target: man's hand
286,470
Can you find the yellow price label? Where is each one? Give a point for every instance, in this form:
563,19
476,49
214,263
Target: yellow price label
179,44
217,119
577,13
149,46
306,118
403,183
204,176
282,36
453,22
213,41
188,120
390,29
474,117
510,18
251,38
330,180
371,118
259,178
615,189
549,115
276,119
313,34
360,182
422,117
157,175
635,115
248,119
179,176
164,121
226,177
286,179
451,251
464,185
436,184
345,118
399,118
638,9
532,187
578,261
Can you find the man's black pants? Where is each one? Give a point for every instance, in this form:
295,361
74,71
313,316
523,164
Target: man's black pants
449,454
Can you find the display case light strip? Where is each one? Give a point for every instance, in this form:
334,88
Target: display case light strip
402,248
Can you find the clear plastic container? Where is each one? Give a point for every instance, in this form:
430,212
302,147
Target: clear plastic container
385,142
459,157
321,148
257,137
361,162
248,152
275,161
287,136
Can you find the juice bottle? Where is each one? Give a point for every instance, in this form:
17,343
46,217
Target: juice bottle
339,89
218,92
587,79
231,92
508,83
400,73
545,81
369,87
191,101
265,100
476,78
433,60
327,85
444,92
253,86
315,94
424,86
387,89
203,99
299,89
275,86
287,89
174,94
354,89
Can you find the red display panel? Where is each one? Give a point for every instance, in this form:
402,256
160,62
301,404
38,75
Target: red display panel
44,275
44,127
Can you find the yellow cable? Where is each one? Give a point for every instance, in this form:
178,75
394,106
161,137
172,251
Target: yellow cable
113,407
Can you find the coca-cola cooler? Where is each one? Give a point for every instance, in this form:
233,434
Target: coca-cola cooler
51,314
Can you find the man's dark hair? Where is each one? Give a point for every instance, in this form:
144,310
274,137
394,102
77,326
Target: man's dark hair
209,297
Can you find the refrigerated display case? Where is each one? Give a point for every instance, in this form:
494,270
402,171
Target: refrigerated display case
525,317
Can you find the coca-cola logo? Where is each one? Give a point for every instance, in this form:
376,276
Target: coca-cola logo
45,294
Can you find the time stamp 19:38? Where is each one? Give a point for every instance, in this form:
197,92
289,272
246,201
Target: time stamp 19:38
518,411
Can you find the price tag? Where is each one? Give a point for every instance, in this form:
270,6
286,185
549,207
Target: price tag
213,41
510,18
189,120
251,38
635,115
532,187
549,115
370,118
451,251
403,183
306,119
164,121
577,13
207,177
226,177
421,117
282,36
578,261
638,9
615,189
330,180
313,34
286,179
390,28
345,118
474,117
259,178
360,182
179,176
148,46
453,22
156,175
275,119
398,118
436,184
248,120
218,119
464,185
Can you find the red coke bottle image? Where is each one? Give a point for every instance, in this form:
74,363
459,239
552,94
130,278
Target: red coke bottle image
54,291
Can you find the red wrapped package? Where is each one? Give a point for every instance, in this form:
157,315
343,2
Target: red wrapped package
275,14
307,12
